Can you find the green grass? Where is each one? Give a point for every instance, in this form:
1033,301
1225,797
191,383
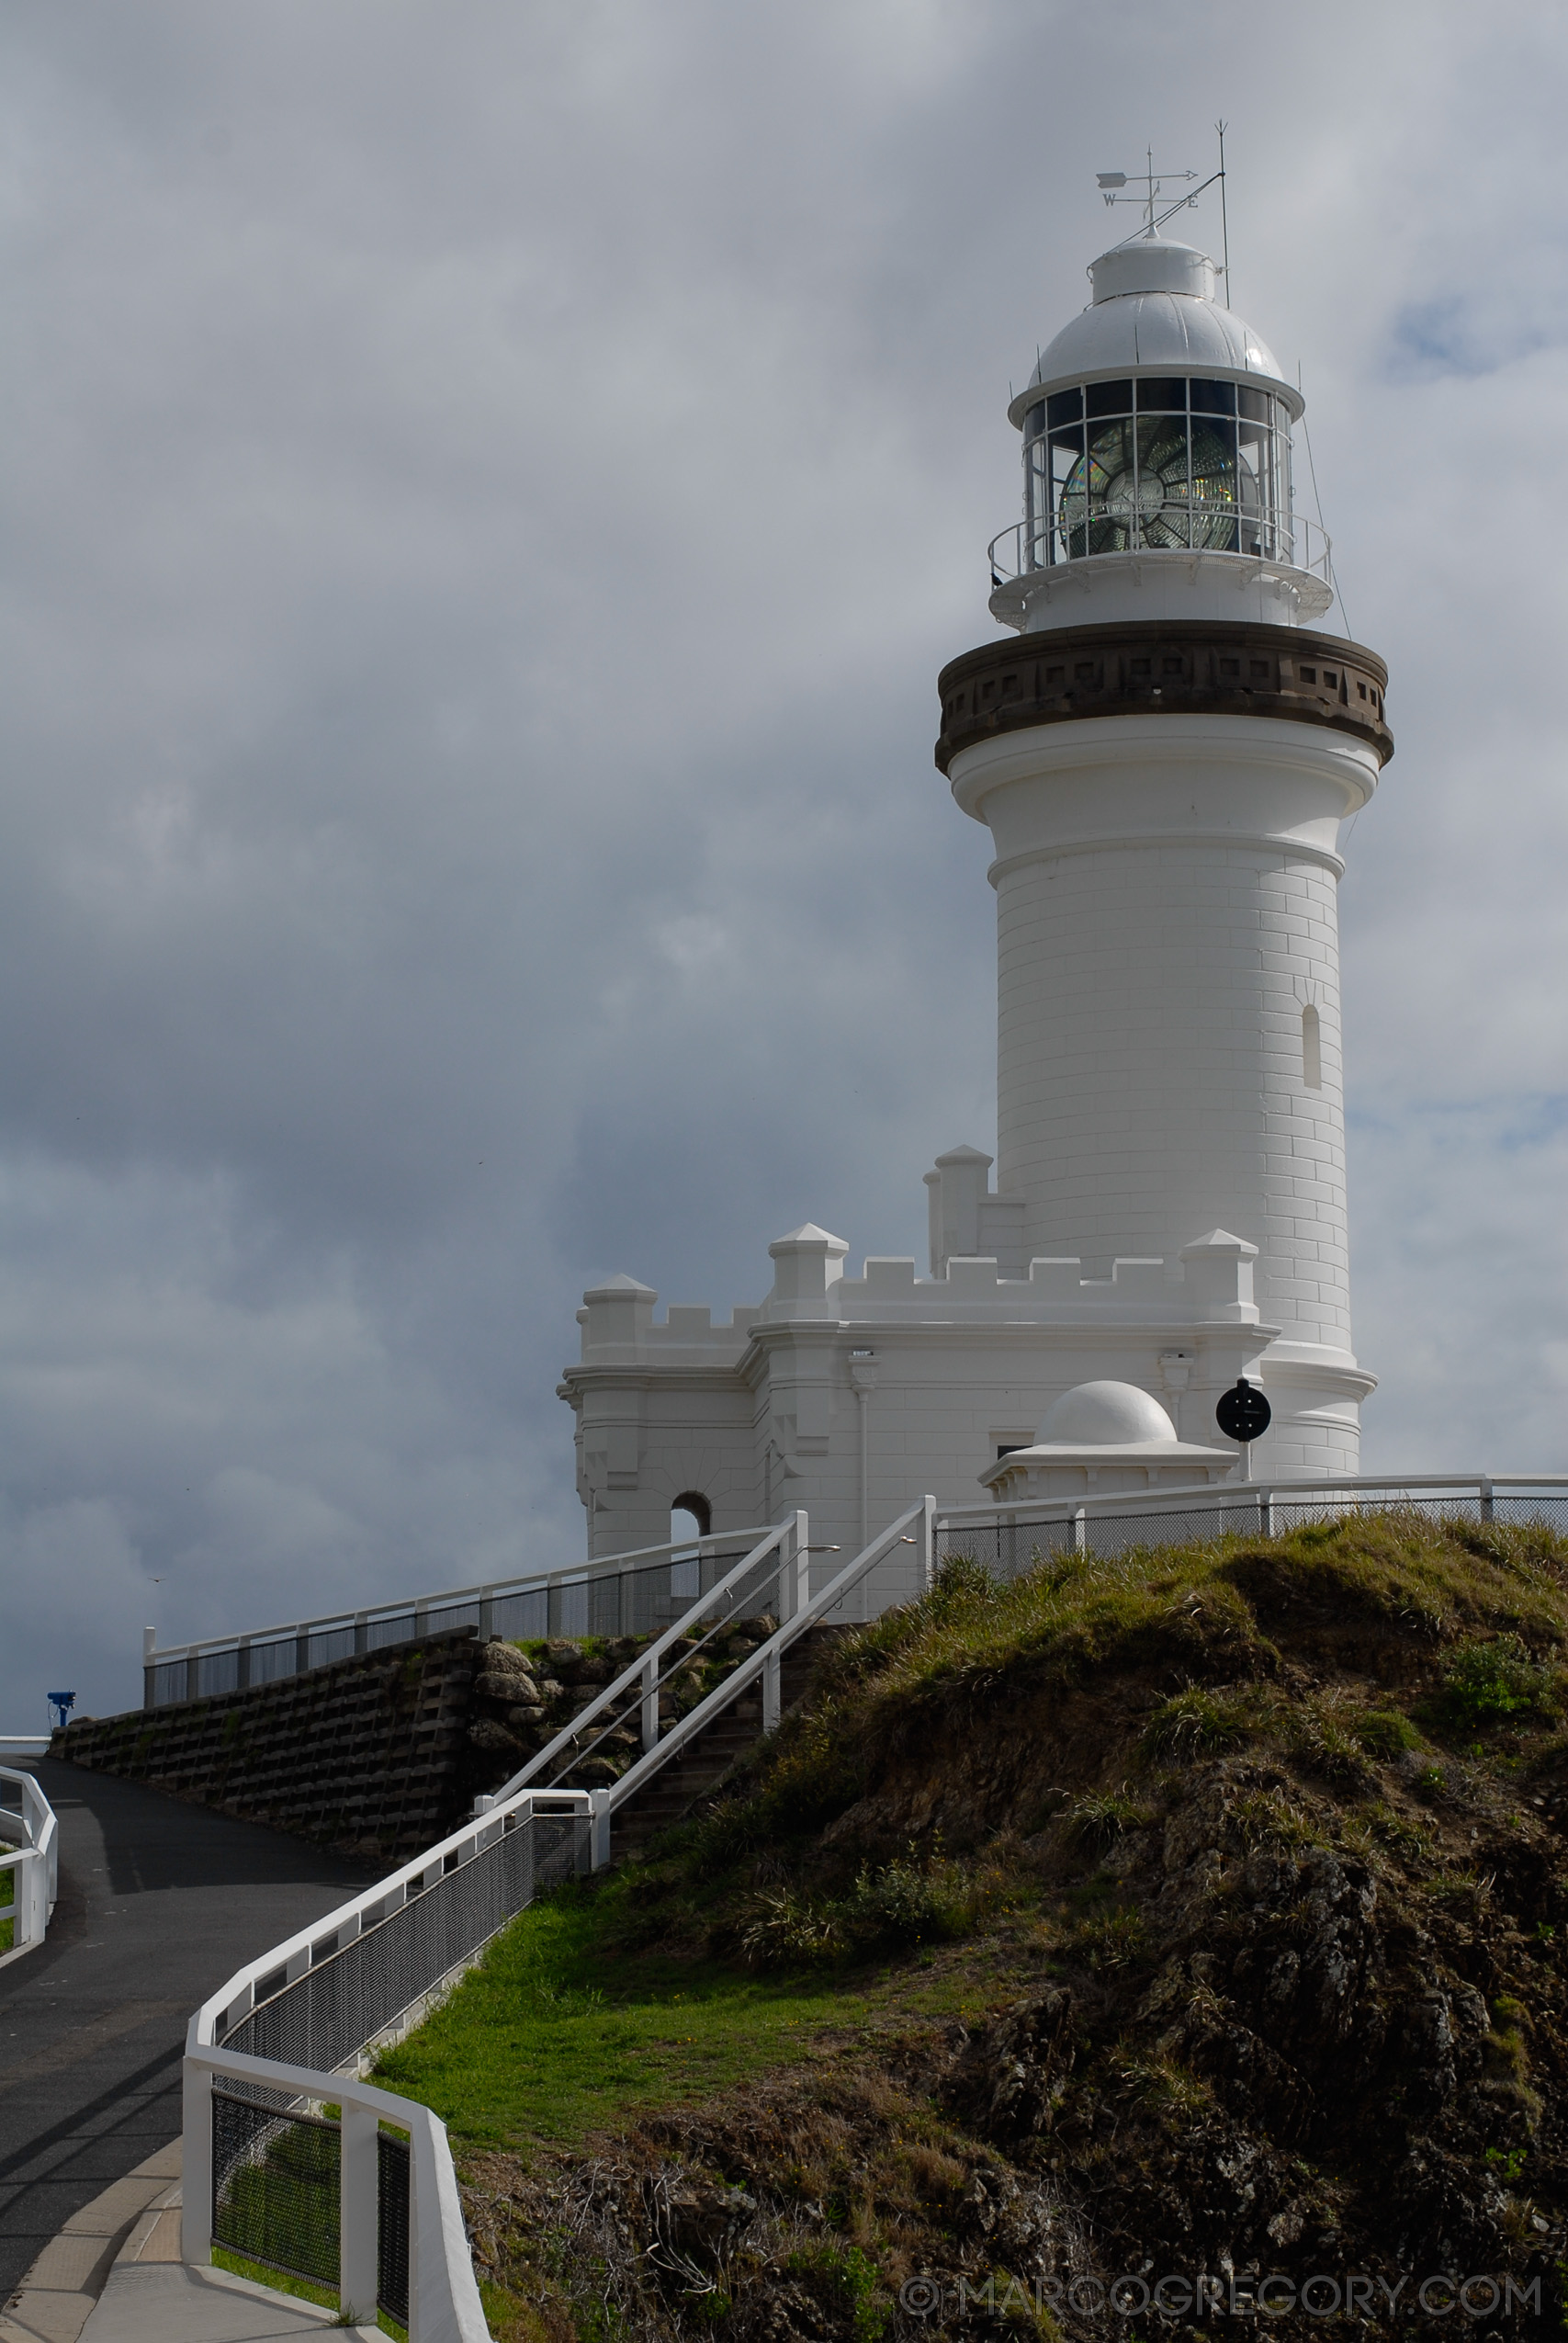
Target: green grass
280,2281
556,2033
304,2290
7,1927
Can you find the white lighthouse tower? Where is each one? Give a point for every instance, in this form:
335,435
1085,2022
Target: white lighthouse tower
1163,761
1164,750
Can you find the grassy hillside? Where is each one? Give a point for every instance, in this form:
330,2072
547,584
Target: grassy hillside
1185,1922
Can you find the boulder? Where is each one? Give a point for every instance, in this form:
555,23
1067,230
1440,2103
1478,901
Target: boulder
495,1686
497,1658
488,1735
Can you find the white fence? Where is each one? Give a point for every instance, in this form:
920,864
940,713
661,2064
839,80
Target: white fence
30,1853
619,1594
345,2200
1006,1538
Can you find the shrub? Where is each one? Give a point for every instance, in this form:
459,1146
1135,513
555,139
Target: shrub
900,1905
891,1908
1383,1733
1491,1684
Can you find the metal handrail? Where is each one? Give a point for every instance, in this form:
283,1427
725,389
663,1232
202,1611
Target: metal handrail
32,1858
481,1596
445,2305
647,1669
766,1662
1221,1493
1286,539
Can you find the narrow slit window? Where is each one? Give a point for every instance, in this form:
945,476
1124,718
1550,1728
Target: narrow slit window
1312,1048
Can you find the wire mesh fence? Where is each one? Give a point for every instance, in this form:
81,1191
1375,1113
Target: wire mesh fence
277,2158
352,1995
1009,1547
392,2222
639,1599
276,2187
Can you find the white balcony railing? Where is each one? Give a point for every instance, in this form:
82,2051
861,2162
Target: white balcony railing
1179,527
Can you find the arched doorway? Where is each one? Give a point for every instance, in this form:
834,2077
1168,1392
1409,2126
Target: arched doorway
691,1515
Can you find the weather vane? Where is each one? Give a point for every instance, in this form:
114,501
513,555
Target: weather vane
1154,194
1111,182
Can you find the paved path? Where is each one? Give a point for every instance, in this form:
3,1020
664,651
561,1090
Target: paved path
159,1902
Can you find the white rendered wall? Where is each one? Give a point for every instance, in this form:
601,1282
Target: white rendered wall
1167,912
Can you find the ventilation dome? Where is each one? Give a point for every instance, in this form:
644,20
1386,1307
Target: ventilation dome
1153,267
1104,1415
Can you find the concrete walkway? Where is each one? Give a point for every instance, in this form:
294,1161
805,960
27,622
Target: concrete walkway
159,1902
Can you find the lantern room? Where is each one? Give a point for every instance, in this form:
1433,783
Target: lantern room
1157,429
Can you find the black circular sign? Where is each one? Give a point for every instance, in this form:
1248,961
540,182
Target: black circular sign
1243,1413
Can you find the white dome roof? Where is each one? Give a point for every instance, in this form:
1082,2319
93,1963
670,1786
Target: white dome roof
1154,306
1104,1415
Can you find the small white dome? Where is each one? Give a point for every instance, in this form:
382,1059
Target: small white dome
1104,1415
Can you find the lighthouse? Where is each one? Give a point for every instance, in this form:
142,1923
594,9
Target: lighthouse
1165,758
1164,743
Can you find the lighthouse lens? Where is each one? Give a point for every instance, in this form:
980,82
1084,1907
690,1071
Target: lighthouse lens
1214,486
1186,473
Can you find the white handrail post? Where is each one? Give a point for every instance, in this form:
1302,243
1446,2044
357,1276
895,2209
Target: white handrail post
794,1570
195,2166
30,1892
649,1704
358,2212
1080,1531
928,1545
773,1693
1488,1507
599,1829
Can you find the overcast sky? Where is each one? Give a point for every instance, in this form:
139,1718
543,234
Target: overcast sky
488,488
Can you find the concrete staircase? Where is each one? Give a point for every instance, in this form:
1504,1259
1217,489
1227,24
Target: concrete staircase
705,1760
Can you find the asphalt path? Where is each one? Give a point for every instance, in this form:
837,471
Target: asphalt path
159,1903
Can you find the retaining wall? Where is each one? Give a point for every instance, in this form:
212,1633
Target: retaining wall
368,1755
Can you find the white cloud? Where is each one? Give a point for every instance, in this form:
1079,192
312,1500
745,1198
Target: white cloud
489,492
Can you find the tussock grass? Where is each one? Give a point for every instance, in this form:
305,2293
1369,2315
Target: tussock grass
1365,1586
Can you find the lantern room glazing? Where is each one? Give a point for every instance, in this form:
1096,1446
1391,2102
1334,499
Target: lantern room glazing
1157,463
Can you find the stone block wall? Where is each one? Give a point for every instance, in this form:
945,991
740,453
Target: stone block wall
370,1756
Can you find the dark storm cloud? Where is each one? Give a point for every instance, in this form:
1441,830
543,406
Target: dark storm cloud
489,489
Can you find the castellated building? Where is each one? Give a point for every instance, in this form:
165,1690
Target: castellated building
1164,749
